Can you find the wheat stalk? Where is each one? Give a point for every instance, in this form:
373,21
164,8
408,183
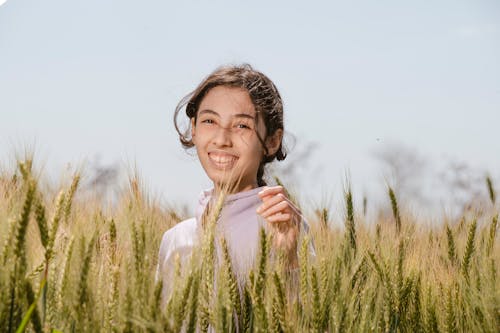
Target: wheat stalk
492,235
469,249
82,298
41,220
278,320
35,316
230,279
304,275
69,196
259,284
8,240
193,303
349,222
491,190
395,210
22,224
316,302
452,252
451,321
54,226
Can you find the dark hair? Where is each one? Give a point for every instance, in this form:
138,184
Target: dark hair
263,93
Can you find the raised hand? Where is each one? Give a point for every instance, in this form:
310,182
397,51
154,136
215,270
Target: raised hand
284,218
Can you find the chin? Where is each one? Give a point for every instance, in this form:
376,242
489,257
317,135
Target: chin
227,183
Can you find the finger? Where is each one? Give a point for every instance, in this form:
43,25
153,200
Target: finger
277,190
279,218
283,206
269,201
290,203
271,190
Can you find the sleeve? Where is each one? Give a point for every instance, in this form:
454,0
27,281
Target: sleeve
165,265
176,244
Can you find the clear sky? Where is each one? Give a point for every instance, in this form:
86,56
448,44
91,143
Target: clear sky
102,78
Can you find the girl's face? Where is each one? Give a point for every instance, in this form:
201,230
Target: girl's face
226,140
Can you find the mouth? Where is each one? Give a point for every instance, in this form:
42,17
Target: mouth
222,161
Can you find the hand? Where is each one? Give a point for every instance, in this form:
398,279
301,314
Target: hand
284,218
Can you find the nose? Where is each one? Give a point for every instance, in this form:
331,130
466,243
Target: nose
222,137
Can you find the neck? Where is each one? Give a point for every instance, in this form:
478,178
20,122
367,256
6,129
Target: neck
232,189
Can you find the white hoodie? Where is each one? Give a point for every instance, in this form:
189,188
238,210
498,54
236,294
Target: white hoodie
239,223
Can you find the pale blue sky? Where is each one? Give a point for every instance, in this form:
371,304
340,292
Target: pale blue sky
90,78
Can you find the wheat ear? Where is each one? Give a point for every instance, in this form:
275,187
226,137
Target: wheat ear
469,250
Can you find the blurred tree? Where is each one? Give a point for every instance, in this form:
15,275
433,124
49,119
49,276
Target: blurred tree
103,179
453,184
465,186
405,170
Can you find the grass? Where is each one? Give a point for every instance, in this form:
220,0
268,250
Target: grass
70,264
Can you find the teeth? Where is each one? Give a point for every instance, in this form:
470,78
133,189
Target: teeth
221,159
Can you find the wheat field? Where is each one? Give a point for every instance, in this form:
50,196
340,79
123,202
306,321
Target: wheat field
72,264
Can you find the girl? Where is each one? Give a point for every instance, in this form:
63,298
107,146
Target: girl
236,126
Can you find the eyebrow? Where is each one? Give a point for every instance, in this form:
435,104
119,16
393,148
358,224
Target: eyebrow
238,115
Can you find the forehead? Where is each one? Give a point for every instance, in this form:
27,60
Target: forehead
228,101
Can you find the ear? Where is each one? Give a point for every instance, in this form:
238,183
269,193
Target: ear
193,129
273,142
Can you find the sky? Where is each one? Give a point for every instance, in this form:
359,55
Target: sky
97,82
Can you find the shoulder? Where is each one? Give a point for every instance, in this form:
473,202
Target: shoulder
183,234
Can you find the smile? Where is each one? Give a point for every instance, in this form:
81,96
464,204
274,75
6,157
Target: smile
222,161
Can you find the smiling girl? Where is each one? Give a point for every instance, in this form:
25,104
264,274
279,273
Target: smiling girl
236,125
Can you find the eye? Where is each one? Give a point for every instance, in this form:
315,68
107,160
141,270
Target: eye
208,121
243,126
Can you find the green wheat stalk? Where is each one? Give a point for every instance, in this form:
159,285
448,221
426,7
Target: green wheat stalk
82,297
12,224
431,320
469,249
395,210
26,168
349,221
247,309
492,235
223,306
208,255
328,293
278,305
22,224
65,271
416,319
193,303
230,278
452,252
181,308
259,285
54,225
69,196
491,190
316,302
113,295
41,220
32,299
303,271
451,321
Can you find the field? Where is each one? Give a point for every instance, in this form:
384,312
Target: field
71,264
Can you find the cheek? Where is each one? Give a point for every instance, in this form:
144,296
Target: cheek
258,154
